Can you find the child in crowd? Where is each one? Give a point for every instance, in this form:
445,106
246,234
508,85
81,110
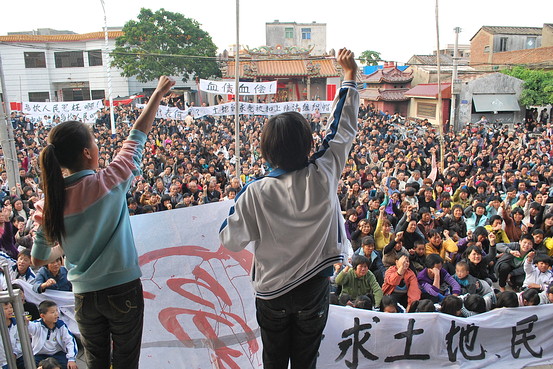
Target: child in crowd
22,268
394,248
507,299
511,263
30,309
423,306
468,283
49,363
275,211
473,305
50,337
546,297
452,305
530,297
537,271
86,213
52,276
14,338
388,305
417,257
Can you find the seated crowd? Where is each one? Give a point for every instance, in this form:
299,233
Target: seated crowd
433,222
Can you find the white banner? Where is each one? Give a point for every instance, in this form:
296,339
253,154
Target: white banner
200,312
302,107
84,111
244,88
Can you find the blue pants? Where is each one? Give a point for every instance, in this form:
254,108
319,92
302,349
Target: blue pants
113,314
292,325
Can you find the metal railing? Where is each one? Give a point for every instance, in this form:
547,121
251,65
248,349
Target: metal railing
14,297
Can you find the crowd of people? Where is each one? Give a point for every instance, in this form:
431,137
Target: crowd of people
427,232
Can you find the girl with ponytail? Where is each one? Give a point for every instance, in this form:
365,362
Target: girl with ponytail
84,217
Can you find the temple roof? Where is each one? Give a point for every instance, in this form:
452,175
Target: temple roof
374,94
430,90
389,75
283,68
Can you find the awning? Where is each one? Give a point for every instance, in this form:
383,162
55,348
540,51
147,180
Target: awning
495,103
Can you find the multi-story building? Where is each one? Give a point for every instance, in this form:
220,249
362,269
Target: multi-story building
302,35
495,47
49,65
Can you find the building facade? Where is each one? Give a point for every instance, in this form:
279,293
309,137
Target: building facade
495,47
311,36
64,67
385,89
493,95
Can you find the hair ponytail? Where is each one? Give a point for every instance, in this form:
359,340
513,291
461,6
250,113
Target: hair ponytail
53,187
66,143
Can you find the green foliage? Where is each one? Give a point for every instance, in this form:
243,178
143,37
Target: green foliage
369,57
538,85
164,32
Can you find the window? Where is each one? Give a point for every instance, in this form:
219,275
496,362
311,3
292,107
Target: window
34,60
98,94
306,33
288,33
530,42
425,110
69,59
503,44
487,49
39,96
94,58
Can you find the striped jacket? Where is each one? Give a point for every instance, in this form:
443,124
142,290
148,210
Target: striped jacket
293,218
61,339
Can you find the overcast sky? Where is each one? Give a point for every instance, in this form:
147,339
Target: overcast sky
397,29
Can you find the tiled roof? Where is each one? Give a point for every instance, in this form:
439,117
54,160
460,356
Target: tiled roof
501,30
60,38
430,90
432,60
369,94
265,68
494,30
375,94
394,95
392,76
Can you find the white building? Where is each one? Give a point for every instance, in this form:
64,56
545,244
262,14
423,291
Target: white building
64,67
303,35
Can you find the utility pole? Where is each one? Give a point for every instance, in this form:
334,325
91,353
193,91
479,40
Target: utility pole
107,60
454,82
439,105
6,137
237,92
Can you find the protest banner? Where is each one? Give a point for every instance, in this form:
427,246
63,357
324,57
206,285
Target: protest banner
200,312
84,111
302,107
244,88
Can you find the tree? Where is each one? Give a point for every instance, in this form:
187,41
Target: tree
369,57
538,85
164,43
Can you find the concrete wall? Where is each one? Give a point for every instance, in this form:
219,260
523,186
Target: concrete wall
495,83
